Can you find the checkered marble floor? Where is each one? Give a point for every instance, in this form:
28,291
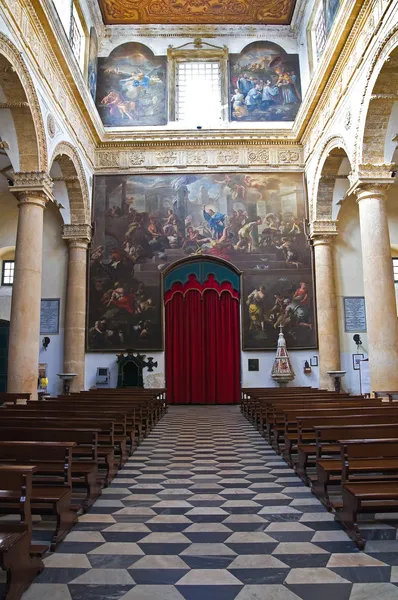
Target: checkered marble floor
205,510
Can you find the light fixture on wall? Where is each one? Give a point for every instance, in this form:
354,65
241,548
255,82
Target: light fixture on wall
46,342
357,340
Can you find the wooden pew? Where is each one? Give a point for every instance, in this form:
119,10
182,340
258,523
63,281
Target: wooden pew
52,490
105,427
299,425
15,538
330,470
80,414
373,494
84,472
13,397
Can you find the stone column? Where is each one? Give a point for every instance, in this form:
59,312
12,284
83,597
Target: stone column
78,237
381,310
33,190
326,301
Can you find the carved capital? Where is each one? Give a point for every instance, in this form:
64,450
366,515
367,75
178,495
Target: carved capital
323,231
77,235
33,187
371,181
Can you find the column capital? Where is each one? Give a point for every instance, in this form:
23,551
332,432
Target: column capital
32,187
77,235
371,181
323,232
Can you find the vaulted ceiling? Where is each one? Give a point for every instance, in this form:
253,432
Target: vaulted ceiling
192,12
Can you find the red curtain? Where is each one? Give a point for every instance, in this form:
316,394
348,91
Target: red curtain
202,347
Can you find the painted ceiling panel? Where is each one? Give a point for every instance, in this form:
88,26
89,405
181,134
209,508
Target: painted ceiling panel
191,12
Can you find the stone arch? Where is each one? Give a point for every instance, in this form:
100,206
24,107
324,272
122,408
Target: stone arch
332,154
66,156
20,93
379,95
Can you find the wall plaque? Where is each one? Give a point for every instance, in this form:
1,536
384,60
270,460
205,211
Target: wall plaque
49,316
253,364
354,314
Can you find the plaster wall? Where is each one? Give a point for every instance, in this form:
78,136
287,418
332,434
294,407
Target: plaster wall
261,378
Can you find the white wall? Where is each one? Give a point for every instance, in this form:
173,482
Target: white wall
55,265
260,378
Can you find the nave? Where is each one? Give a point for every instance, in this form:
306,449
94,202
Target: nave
205,509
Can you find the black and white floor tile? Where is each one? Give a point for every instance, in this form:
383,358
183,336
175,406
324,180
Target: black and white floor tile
205,510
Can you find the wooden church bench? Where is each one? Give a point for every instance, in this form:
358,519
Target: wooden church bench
374,494
305,432
16,538
328,441
84,466
51,491
106,445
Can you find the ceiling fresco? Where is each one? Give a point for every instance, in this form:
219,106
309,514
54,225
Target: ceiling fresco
193,12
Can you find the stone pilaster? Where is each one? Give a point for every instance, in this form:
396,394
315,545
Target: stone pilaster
33,190
78,238
323,234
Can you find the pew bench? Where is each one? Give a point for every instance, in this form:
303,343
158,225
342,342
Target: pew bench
16,537
372,494
107,463
328,442
51,490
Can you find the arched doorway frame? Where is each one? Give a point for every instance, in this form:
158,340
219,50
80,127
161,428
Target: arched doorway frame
192,260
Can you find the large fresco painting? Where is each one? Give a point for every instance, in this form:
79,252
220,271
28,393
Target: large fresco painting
264,84
92,63
143,223
132,86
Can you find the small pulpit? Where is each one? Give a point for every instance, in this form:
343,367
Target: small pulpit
130,368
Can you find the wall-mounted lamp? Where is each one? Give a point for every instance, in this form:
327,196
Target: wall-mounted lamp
46,342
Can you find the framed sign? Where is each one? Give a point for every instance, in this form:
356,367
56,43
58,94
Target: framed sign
49,316
253,364
354,314
356,359
314,361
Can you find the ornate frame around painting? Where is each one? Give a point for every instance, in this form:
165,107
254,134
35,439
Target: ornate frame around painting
144,223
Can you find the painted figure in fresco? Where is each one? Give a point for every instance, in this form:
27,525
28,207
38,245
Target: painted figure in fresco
238,104
268,79
118,107
256,303
245,234
271,94
215,221
245,84
252,220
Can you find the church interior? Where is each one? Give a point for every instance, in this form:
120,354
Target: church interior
198,299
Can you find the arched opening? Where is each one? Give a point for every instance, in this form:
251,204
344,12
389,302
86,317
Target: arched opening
70,183
202,331
379,135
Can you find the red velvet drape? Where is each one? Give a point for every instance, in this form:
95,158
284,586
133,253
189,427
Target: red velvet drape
203,348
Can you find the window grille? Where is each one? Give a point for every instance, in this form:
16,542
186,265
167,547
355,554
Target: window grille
395,269
198,92
7,275
320,33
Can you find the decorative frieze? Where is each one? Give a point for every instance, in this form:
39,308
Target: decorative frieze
182,158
